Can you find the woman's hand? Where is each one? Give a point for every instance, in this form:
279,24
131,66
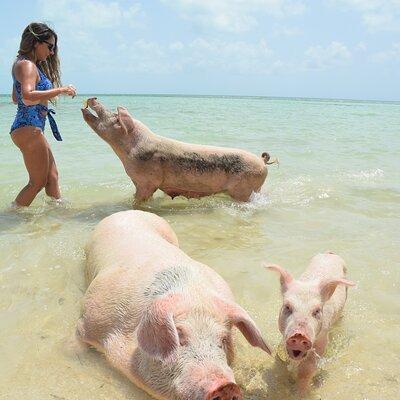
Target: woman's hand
68,90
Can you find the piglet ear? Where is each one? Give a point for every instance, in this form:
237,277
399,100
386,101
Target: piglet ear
241,319
125,119
328,286
157,334
286,277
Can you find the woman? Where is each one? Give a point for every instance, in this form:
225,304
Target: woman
36,76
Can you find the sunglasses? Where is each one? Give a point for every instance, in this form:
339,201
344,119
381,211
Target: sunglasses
50,46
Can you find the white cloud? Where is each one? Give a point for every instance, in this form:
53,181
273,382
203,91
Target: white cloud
87,14
361,46
79,24
147,57
176,46
377,15
334,55
238,57
390,55
286,31
234,15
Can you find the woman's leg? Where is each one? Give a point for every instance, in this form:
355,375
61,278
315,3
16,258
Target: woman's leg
52,188
35,150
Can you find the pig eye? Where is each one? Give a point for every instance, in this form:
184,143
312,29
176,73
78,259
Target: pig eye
183,339
223,343
317,313
287,309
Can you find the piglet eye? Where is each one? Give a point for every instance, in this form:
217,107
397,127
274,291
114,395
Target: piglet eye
317,313
287,309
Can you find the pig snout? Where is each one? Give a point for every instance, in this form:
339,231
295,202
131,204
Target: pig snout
299,342
208,382
98,108
229,391
94,104
298,345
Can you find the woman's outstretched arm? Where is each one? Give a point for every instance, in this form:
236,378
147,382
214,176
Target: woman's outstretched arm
26,73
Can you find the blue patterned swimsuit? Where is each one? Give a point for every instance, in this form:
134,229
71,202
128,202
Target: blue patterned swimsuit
34,115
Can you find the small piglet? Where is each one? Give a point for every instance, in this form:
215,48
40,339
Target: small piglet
311,305
160,317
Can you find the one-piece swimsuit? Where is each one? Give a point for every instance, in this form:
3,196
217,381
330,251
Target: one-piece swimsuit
34,115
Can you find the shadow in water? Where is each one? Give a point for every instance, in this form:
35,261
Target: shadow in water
27,220
279,384
275,384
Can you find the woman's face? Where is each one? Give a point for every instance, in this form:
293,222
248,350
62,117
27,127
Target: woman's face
45,49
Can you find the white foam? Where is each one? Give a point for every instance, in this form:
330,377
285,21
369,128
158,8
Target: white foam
367,174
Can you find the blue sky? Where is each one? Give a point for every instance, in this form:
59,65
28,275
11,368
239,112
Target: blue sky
294,48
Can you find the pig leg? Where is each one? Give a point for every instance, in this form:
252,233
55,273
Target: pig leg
308,367
121,351
240,193
143,193
305,374
82,336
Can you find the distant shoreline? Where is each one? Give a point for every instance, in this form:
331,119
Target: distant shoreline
231,97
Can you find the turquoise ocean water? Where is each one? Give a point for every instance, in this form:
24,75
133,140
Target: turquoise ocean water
337,188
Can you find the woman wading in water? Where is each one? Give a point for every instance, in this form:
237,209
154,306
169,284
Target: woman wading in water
36,76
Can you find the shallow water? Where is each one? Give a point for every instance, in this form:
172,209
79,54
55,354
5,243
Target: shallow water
337,188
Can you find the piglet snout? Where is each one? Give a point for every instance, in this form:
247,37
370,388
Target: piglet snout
298,342
229,391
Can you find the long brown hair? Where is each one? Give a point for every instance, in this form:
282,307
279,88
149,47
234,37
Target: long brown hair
37,32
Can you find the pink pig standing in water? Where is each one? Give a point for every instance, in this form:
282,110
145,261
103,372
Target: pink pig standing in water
177,168
161,318
311,305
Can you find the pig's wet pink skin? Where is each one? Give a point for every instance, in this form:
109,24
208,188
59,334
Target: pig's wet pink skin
229,391
311,305
298,346
178,169
160,317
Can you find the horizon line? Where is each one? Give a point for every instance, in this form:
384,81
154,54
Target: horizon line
227,95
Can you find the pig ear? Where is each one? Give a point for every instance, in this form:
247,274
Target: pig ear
125,119
157,334
286,277
328,286
239,317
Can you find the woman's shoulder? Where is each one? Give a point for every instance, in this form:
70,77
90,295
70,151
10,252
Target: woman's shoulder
24,67
24,63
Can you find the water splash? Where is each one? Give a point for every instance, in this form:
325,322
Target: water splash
366,174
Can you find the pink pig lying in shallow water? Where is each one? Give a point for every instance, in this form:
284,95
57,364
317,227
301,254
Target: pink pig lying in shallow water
178,169
161,318
311,305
